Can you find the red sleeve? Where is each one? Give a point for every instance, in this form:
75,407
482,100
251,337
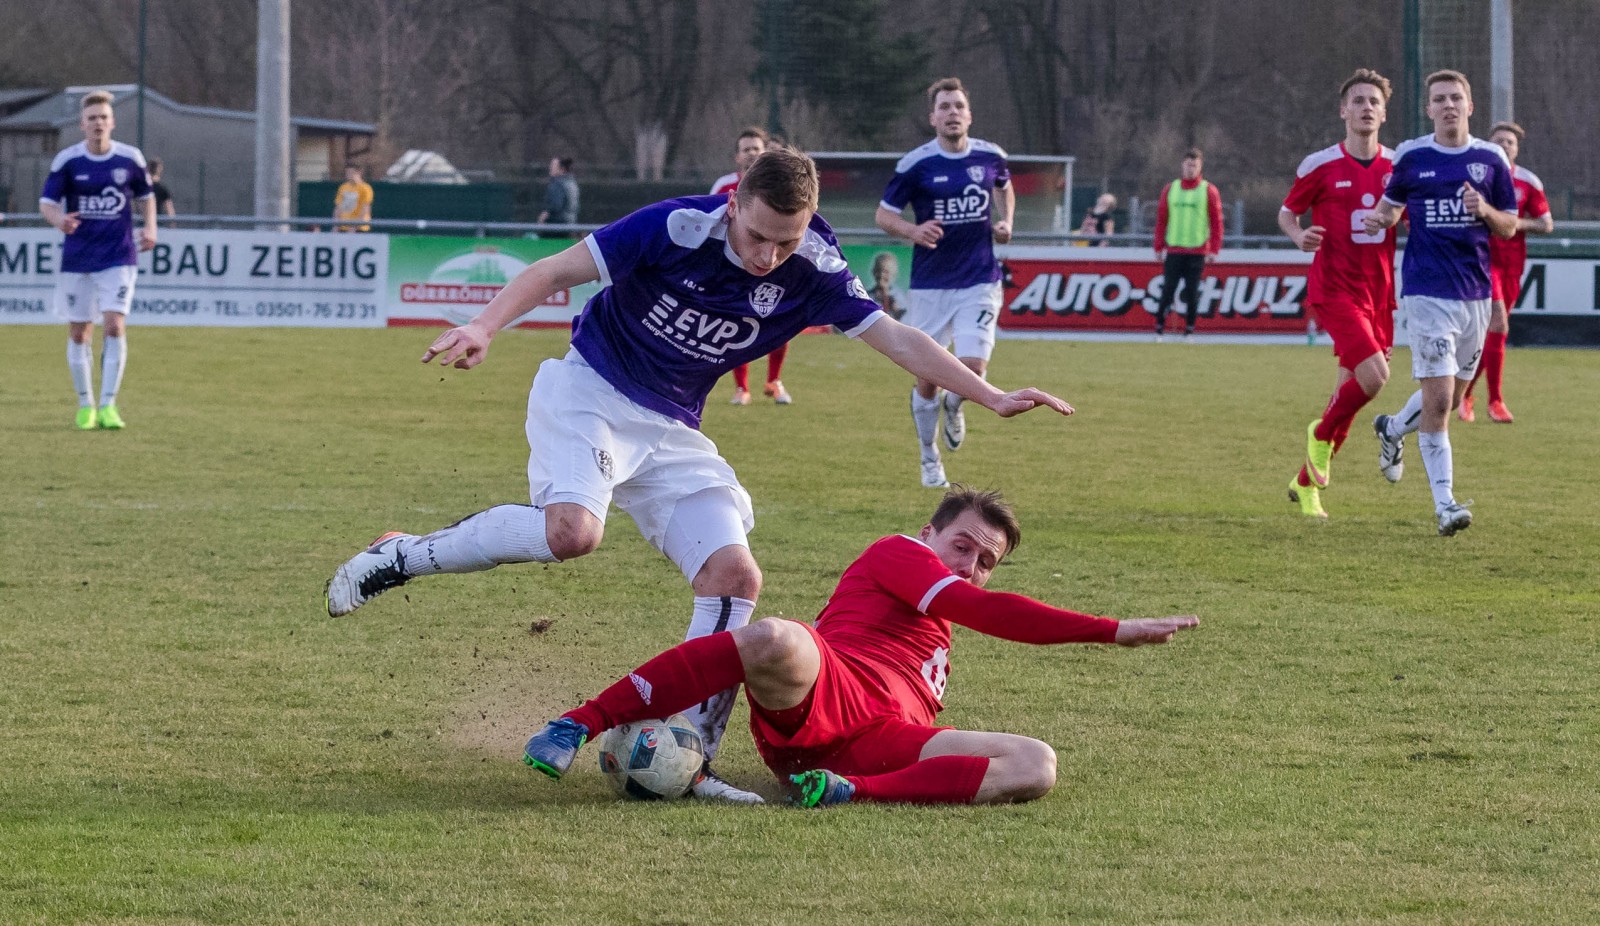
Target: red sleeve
1303,195
907,569
1161,218
1536,204
1017,617
1214,203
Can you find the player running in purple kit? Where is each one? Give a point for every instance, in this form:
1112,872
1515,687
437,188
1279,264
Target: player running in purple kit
692,288
1456,190
952,184
89,196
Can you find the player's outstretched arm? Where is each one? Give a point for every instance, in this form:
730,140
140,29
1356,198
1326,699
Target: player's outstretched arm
1142,630
921,356
466,346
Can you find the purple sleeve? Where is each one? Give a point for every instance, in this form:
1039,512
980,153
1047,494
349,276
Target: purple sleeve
1397,189
633,241
1503,194
55,186
843,301
899,191
139,182
1002,174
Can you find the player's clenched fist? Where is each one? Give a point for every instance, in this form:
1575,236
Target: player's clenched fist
463,348
1142,630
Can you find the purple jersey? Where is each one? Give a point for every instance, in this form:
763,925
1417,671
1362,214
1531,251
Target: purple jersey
678,309
956,189
1447,252
101,189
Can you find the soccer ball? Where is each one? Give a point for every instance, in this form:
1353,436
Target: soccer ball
652,760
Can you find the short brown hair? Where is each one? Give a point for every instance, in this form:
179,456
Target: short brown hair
945,85
990,506
1367,76
1440,76
95,98
784,179
1511,127
754,131
1194,154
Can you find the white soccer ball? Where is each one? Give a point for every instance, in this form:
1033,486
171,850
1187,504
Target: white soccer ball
652,760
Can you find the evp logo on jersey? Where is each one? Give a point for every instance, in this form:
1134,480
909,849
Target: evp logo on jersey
108,205
1447,213
699,334
765,298
971,206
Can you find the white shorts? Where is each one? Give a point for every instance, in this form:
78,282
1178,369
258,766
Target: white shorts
963,317
1446,335
590,445
86,297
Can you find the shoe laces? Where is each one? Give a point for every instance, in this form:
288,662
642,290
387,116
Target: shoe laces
384,577
567,733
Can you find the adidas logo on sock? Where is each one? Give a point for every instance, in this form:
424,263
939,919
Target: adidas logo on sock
642,686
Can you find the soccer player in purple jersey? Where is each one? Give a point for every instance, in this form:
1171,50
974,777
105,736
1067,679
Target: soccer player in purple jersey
692,288
1457,191
89,197
951,184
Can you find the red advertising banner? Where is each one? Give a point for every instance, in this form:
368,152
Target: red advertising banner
1116,289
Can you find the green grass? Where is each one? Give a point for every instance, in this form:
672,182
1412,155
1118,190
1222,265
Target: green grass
1372,723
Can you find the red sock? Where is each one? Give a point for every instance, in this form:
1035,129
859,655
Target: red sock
1305,478
1494,362
940,780
1340,435
775,363
1347,400
741,380
679,678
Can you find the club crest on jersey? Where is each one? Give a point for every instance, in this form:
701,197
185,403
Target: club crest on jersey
976,173
1477,172
602,459
764,299
119,175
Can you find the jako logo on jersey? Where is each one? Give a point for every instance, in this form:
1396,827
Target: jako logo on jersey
108,205
698,334
976,173
1341,185
1477,172
1114,294
765,298
971,206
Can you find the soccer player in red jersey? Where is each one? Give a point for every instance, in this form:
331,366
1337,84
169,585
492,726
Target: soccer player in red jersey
1506,262
846,709
1351,285
752,143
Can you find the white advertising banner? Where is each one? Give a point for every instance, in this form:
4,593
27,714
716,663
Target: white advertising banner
230,278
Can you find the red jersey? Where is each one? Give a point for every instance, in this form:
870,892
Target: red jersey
891,615
725,183
1508,255
1352,266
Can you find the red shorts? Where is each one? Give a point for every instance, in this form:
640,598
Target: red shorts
1505,284
846,724
1358,332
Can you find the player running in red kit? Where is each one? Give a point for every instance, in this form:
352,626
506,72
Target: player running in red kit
1506,262
1351,285
846,709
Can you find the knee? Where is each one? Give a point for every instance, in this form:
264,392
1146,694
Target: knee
731,570
1035,767
572,533
772,645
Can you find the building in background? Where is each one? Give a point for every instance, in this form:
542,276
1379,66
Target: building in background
209,153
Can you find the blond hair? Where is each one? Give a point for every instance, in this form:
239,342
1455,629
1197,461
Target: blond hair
95,98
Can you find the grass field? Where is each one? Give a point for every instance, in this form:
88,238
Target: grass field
1371,724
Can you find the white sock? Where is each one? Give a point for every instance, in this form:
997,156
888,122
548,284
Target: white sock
952,402
1437,460
925,413
503,534
113,357
78,356
714,615
1408,418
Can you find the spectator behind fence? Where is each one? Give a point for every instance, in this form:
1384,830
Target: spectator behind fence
163,195
1099,221
353,201
560,196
